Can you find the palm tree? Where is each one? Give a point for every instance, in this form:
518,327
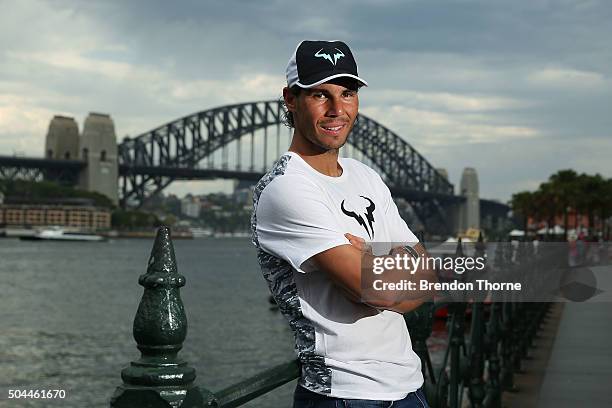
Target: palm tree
565,185
584,193
548,203
595,193
523,204
606,208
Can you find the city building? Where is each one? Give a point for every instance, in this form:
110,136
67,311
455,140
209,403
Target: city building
78,214
469,211
243,192
575,222
190,206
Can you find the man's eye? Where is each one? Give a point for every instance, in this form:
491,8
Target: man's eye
318,95
349,94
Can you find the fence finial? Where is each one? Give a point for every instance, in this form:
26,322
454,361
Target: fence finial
160,378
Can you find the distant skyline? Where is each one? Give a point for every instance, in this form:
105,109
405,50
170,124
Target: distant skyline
517,90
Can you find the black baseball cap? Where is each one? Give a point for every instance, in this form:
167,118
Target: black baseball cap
316,62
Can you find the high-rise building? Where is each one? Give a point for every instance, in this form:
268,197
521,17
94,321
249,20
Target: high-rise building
243,192
469,212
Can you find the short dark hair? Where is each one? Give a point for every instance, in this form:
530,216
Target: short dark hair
287,115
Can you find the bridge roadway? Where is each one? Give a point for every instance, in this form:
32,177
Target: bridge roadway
34,168
183,173
41,163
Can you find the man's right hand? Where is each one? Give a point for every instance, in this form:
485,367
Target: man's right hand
358,242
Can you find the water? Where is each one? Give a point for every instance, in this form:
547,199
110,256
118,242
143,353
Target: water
67,308
66,311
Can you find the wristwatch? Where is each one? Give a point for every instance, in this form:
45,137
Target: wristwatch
406,249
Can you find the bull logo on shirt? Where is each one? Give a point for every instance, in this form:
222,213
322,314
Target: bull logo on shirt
365,218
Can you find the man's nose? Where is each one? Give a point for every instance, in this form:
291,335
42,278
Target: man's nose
336,107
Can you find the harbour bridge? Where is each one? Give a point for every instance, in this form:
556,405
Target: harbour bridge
241,141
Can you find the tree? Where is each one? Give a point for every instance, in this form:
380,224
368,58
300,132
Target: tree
133,219
522,203
564,191
565,183
41,190
606,207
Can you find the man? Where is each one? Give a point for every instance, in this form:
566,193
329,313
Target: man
315,216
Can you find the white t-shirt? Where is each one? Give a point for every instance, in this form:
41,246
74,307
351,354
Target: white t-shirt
346,349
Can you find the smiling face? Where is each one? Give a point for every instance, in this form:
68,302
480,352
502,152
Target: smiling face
324,114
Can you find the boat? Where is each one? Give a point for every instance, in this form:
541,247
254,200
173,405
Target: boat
16,232
60,234
201,232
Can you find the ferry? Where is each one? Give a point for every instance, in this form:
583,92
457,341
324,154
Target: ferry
60,234
201,232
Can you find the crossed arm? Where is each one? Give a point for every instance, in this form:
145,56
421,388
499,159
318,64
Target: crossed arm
344,266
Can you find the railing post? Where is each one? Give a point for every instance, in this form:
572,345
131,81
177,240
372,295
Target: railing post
457,343
419,323
476,348
532,309
518,324
492,340
507,325
494,389
476,356
159,378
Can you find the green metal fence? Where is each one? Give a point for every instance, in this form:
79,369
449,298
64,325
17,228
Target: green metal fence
479,363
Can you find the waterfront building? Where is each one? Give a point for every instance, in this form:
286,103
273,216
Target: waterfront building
190,206
84,217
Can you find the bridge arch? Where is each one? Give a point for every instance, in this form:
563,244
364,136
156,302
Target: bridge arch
151,161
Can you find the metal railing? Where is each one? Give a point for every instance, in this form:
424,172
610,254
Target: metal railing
481,358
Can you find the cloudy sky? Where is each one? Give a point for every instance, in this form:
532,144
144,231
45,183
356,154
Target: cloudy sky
515,89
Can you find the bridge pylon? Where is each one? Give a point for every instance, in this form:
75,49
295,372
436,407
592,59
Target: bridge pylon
98,147
62,141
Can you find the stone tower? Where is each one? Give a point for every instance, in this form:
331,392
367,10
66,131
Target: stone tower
62,140
443,172
469,212
98,147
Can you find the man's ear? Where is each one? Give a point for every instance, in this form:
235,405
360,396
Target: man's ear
289,98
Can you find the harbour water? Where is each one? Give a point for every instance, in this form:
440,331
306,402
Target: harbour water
66,310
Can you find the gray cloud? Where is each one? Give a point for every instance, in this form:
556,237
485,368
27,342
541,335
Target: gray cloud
517,90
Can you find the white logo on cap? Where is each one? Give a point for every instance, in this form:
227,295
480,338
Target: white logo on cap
328,57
